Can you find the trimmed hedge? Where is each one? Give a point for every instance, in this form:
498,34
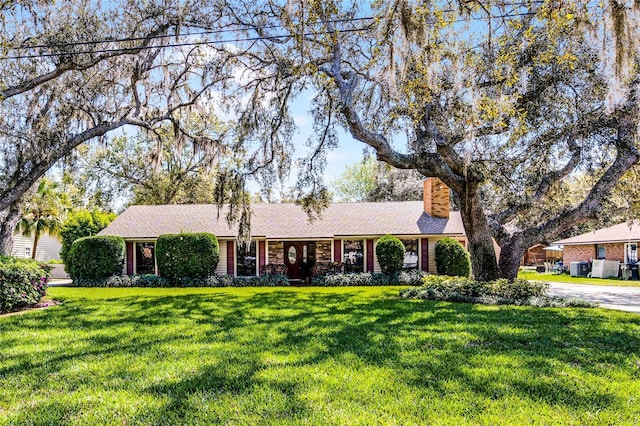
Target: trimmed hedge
96,257
210,281
193,255
83,223
390,254
269,280
452,259
23,282
412,277
498,292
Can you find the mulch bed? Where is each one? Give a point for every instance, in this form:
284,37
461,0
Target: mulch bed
43,304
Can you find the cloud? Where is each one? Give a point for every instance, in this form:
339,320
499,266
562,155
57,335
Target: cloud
302,120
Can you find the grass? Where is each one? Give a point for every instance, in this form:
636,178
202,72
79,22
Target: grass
275,356
566,278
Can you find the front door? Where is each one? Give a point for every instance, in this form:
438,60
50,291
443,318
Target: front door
293,259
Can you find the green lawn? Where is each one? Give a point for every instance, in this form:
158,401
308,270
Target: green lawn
313,356
566,278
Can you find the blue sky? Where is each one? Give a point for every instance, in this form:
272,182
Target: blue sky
348,152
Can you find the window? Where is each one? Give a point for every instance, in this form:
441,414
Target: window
145,258
600,251
27,252
246,259
353,257
631,253
410,254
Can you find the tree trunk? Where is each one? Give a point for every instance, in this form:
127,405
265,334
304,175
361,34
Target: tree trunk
479,236
510,255
9,218
36,237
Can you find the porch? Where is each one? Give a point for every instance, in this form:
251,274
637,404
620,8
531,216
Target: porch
299,259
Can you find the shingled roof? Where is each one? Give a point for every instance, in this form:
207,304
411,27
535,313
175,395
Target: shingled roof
620,233
282,221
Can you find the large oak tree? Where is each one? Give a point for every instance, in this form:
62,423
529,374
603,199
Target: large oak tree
504,101
77,71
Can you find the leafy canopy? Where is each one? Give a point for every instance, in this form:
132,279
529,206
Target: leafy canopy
44,211
82,223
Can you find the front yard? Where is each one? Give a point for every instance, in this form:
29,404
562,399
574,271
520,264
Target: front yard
566,278
314,356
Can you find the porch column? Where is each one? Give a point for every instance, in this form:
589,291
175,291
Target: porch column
262,255
231,257
337,251
130,248
370,255
424,254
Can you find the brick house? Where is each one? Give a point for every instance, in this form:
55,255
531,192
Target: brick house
346,233
619,242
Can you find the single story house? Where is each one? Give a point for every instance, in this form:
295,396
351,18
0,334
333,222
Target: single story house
619,242
282,234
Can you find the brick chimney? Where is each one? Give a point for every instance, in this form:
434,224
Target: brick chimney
436,198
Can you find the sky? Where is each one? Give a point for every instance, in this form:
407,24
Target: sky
348,152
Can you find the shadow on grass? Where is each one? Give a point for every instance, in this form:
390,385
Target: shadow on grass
227,336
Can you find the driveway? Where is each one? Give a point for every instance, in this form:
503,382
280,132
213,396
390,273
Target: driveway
610,297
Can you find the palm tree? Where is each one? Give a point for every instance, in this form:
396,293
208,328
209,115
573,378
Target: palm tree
44,211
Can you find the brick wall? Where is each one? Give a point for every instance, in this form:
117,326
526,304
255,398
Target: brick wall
614,251
586,252
323,251
276,252
578,253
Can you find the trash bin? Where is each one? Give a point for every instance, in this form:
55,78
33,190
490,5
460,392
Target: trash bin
584,269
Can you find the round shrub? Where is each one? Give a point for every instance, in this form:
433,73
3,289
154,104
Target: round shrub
390,254
23,282
452,259
187,255
96,257
83,223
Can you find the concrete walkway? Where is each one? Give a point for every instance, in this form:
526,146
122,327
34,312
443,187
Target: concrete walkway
60,282
610,297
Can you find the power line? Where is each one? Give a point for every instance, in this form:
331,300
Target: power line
266,27
198,33
125,50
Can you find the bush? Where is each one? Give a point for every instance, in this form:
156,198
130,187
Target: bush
83,223
274,280
23,282
187,255
498,292
390,254
452,259
210,281
367,279
96,257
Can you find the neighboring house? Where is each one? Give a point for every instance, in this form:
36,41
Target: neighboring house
282,234
48,247
619,242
